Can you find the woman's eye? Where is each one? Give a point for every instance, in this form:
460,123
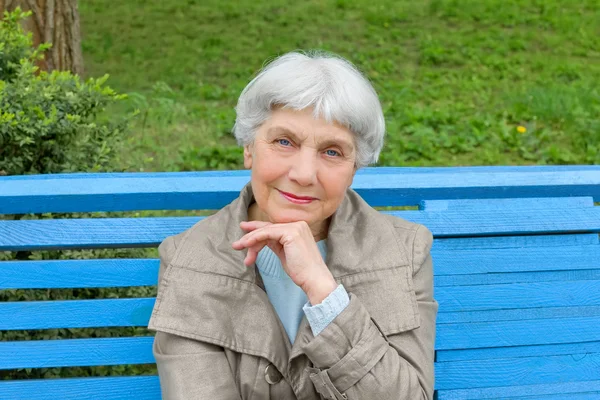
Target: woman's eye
332,153
284,142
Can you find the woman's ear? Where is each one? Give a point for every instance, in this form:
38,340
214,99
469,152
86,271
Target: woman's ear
248,156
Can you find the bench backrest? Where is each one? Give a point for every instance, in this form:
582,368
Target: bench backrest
516,263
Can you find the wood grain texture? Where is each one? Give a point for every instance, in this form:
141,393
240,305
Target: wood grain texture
517,371
212,190
76,352
486,261
533,203
131,232
138,350
54,274
515,277
518,296
451,268
581,388
519,351
475,335
511,242
75,313
501,328
112,388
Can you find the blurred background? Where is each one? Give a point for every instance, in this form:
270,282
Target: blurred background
469,82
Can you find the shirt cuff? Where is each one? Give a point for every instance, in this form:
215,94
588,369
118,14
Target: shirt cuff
321,315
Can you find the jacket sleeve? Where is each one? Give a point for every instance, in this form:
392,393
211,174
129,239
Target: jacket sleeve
190,369
353,359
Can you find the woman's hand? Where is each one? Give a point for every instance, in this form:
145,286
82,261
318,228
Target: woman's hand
295,246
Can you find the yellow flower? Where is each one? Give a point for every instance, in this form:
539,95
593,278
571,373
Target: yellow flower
521,129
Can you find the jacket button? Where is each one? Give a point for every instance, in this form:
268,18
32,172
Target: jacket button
272,376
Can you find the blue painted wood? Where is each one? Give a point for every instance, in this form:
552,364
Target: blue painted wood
518,295
380,187
562,388
514,314
532,203
112,388
75,313
516,277
138,350
517,333
486,261
561,396
507,242
130,232
76,352
516,371
577,349
452,268
54,274
544,328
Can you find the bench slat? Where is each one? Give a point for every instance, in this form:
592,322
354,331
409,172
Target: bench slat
517,333
473,267
514,314
212,190
112,388
75,313
518,351
517,371
533,203
136,312
559,389
498,373
76,352
78,273
485,261
518,295
515,277
138,350
131,232
507,242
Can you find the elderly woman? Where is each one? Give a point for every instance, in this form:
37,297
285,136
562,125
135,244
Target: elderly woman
298,289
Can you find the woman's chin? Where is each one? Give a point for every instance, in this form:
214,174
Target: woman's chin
289,216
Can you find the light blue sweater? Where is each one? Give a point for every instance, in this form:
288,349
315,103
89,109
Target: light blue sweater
290,301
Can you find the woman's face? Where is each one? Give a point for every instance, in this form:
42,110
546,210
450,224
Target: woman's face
301,167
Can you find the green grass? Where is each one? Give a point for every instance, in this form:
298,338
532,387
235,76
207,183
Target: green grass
455,77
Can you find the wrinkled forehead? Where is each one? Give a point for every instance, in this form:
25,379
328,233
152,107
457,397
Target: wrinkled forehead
303,125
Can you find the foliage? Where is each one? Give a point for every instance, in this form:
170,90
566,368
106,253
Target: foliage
456,78
48,121
51,123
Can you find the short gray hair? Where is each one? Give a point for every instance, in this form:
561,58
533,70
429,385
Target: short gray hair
334,87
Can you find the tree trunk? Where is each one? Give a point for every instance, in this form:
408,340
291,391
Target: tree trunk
56,22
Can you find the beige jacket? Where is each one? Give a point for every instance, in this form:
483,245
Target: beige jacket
219,337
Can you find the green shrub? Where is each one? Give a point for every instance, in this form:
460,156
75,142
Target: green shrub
49,121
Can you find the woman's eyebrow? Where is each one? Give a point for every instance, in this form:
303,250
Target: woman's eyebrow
280,130
344,144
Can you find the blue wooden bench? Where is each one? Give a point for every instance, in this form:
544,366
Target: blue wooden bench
516,260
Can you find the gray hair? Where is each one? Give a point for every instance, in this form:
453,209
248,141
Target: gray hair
334,87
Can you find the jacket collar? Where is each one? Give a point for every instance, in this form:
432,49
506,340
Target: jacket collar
357,234
208,294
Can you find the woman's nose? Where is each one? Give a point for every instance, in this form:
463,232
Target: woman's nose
304,168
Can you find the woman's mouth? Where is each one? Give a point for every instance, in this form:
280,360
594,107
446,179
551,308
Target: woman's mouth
296,199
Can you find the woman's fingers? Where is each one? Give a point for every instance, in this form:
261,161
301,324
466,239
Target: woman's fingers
252,254
252,225
266,233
